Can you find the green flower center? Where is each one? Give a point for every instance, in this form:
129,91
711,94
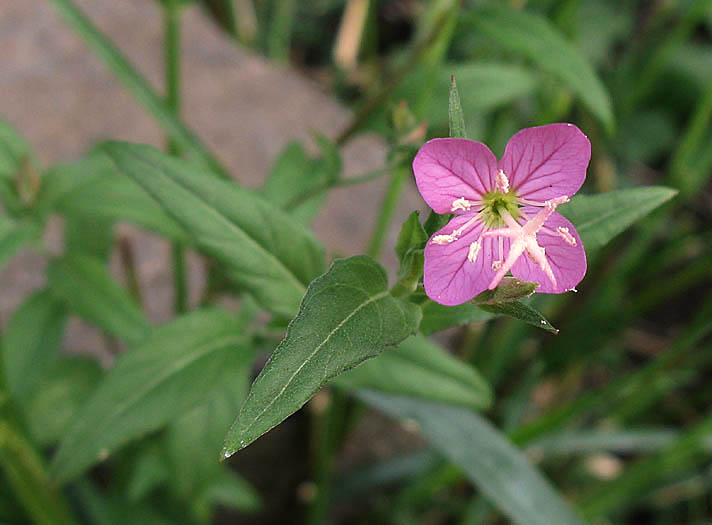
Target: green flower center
494,203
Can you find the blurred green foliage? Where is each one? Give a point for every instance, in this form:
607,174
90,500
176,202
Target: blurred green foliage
609,421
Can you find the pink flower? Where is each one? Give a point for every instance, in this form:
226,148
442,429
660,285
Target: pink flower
504,212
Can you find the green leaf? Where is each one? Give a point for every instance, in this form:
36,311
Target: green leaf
435,221
535,38
85,284
491,462
149,472
502,301
261,247
420,368
65,387
588,441
13,236
521,311
346,317
94,237
297,182
169,373
92,189
31,343
232,491
599,218
137,85
509,289
112,507
455,115
412,237
193,442
437,317
410,251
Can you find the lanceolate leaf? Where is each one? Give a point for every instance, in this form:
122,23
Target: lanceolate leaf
91,189
346,317
599,218
535,37
84,283
521,311
263,249
509,289
500,470
420,368
455,115
31,342
437,317
172,371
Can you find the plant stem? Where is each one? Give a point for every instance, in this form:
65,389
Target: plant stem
280,30
128,263
25,472
171,43
328,432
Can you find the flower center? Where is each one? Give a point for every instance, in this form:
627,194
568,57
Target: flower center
495,203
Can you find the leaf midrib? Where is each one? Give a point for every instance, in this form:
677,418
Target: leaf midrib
338,327
220,216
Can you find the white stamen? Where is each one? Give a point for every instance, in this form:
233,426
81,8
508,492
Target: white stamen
553,203
564,233
496,265
474,251
444,239
501,182
447,239
461,204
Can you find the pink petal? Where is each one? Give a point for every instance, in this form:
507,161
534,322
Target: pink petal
449,169
567,262
546,161
450,278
